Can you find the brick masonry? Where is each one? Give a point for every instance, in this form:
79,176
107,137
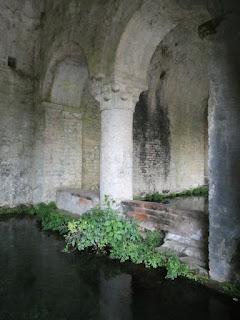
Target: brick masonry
186,231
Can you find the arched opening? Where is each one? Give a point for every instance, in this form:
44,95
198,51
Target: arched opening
162,57
64,128
170,119
67,151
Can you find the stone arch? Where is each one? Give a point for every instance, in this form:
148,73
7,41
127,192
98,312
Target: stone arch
68,146
57,55
175,152
170,118
153,22
144,31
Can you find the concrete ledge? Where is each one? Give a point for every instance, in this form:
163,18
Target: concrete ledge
76,201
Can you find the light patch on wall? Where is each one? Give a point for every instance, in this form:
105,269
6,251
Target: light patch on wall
68,83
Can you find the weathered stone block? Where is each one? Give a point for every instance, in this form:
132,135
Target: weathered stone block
76,201
186,231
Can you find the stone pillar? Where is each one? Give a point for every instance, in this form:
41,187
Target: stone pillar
117,106
116,154
224,155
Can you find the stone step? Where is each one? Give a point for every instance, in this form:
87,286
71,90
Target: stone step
195,264
202,244
184,249
184,226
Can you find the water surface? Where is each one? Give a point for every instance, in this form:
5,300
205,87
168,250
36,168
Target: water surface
38,281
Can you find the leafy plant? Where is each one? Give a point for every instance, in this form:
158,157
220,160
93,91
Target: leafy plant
48,214
105,231
51,218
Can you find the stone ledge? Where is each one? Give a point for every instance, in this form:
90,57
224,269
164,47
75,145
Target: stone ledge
76,201
186,231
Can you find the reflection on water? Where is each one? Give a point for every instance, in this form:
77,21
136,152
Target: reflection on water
115,297
40,282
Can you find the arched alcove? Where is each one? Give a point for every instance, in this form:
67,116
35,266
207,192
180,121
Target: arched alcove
68,82
60,59
162,58
67,150
145,30
170,121
161,55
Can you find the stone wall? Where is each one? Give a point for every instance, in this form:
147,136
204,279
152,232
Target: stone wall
170,120
19,28
66,146
58,157
59,127
91,137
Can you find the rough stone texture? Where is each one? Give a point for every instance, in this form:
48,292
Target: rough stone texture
186,230
60,151
16,132
170,120
19,22
224,135
76,201
116,154
67,130
91,128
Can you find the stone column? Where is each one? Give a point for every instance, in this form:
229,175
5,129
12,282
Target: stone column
224,155
117,107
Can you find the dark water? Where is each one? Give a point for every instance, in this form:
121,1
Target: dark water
38,281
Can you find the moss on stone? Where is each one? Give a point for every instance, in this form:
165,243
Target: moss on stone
159,197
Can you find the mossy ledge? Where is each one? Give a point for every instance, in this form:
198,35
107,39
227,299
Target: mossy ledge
160,197
105,231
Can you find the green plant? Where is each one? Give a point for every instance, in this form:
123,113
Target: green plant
99,228
20,210
105,231
51,218
48,214
231,289
175,268
158,197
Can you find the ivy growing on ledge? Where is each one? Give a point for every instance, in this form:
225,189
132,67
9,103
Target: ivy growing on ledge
105,231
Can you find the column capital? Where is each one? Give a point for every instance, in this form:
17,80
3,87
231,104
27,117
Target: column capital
112,94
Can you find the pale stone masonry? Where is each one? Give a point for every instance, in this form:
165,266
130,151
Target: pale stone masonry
123,98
